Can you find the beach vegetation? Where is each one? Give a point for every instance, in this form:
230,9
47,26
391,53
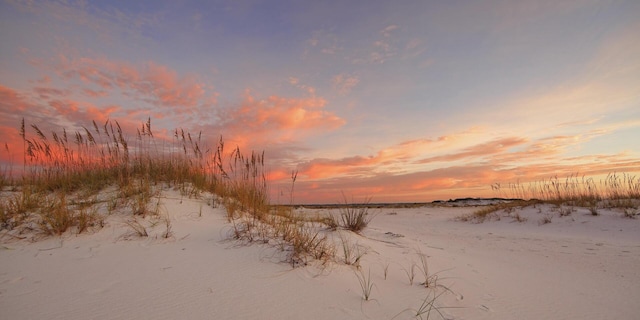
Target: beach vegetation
122,173
366,284
619,191
354,217
410,272
352,253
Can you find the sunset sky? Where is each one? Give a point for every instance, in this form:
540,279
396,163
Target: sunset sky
405,101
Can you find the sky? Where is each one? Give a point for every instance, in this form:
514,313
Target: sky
400,101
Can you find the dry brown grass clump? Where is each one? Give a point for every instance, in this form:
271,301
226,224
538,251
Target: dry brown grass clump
491,211
354,217
615,191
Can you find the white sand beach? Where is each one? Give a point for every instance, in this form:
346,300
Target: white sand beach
578,266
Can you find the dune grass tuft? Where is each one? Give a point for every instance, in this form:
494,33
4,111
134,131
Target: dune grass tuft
55,216
137,227
615,191
351,253
354,217
366,284
411,273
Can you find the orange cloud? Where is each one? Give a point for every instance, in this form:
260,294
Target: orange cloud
11,145
325,168
82,112
257,122
11,100
359,165
542,149
47,93
480,150
151,82
64,107
95,93
169,88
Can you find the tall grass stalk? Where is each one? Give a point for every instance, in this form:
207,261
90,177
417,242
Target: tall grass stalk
430,280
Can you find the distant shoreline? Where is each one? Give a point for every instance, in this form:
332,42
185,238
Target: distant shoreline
461,201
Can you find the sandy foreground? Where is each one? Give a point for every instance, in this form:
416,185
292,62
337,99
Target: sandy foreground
575,267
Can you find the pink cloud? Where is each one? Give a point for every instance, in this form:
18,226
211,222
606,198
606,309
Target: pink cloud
325,168
170,89
344,83
56,109
388,160
95,93
150,82
81,113
11,100
362,166
47,93
65,107
11,145
480,150
275,119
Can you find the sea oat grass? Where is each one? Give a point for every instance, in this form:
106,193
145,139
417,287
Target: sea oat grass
90,161
576,190
616,190
87,219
